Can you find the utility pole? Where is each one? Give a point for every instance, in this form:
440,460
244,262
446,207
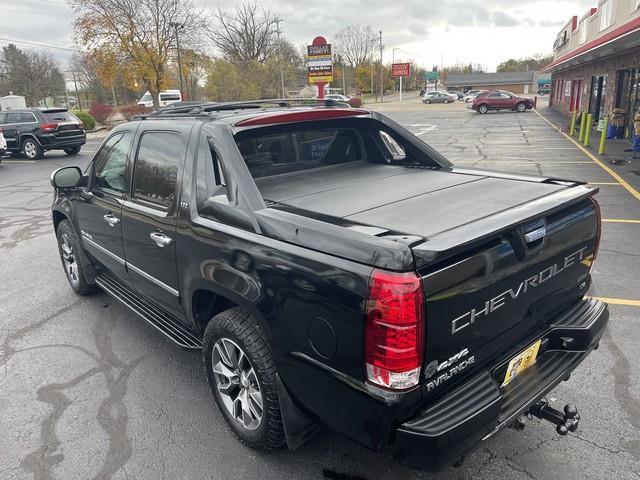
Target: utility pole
381,72
75,84
284,95
178,26
393,60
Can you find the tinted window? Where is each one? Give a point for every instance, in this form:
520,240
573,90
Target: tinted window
156,167
210,180
27,118
111,161
169,96
60,117
13,118
3,118
274,154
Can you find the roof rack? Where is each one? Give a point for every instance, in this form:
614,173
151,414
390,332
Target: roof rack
205,108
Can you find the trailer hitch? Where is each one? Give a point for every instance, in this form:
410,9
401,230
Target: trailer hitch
565,422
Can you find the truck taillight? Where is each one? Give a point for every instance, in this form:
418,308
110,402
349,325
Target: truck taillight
394,332
598,226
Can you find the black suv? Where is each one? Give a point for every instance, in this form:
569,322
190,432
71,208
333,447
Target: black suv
335,270
33,131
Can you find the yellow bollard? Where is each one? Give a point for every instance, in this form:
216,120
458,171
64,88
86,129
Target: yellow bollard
587,131
583,123
572,126
603,136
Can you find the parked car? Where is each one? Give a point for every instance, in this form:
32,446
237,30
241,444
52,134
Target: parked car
456,93
337,97
437,97
3,145
336,270
470,95
33,131
500,100
544,90
166,97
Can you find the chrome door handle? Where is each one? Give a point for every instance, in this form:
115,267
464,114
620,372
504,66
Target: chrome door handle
161,239
111,219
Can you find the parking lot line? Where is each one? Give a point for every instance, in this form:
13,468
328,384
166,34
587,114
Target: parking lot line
605,183
18,161
619,220
602,165
619,301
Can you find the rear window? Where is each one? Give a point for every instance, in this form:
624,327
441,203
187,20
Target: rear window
60,117
169,96
284,152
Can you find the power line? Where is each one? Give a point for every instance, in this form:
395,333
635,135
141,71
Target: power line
37,44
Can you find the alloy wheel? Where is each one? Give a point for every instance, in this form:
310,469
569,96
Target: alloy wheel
237,383
30,150
69,260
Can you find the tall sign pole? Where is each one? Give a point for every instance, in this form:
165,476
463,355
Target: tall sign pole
381,71
319,64
400,70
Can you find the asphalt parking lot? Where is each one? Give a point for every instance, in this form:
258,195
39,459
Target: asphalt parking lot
87,390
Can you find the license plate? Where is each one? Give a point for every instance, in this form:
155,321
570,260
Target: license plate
521,362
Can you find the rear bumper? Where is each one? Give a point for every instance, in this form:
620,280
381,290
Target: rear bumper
461,420
52,142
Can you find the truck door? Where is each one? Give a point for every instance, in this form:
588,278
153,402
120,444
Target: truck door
99,209
149,217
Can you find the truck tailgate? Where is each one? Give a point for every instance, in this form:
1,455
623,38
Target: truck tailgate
484,302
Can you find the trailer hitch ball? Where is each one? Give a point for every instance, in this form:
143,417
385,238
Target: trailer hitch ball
565,422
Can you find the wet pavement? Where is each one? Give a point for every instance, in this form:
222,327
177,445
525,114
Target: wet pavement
87,390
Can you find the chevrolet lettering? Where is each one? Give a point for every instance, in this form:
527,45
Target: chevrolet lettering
316,254
498,301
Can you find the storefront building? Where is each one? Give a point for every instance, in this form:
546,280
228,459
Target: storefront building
596,66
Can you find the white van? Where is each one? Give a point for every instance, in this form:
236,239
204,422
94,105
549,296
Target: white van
167,97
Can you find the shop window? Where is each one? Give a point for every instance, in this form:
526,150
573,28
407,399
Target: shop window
605,10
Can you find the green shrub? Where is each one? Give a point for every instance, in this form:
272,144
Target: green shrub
87,119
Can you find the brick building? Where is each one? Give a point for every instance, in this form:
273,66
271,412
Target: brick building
515,82
596,65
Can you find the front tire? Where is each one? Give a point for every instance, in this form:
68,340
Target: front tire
483,109
32,149
72,259
242,376
427,101
72,151
521,107
446,101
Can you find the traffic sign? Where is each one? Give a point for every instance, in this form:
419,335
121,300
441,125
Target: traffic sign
431,75
400,69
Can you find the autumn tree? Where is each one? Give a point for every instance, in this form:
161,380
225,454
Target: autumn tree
355,44
247,33
141,34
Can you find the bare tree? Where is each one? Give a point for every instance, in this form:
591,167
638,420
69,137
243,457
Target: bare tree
355,44
247,34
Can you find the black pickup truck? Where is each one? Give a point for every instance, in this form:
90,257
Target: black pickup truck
336,270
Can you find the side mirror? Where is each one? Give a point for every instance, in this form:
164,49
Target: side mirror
66,177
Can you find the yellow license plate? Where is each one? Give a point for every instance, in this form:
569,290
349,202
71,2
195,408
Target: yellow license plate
521,362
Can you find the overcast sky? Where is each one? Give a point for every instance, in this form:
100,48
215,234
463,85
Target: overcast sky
478,31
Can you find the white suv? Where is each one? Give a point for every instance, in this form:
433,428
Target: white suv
3,144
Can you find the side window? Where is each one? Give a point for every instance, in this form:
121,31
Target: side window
27,118
13,118
111,161
394,148
493,95
156,168
210,177
3,118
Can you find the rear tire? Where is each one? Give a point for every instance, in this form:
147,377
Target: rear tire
72,150
242,376
32,149
483,108
73,259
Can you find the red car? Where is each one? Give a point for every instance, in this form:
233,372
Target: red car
500,100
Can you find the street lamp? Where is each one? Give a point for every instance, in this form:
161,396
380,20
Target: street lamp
178,26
